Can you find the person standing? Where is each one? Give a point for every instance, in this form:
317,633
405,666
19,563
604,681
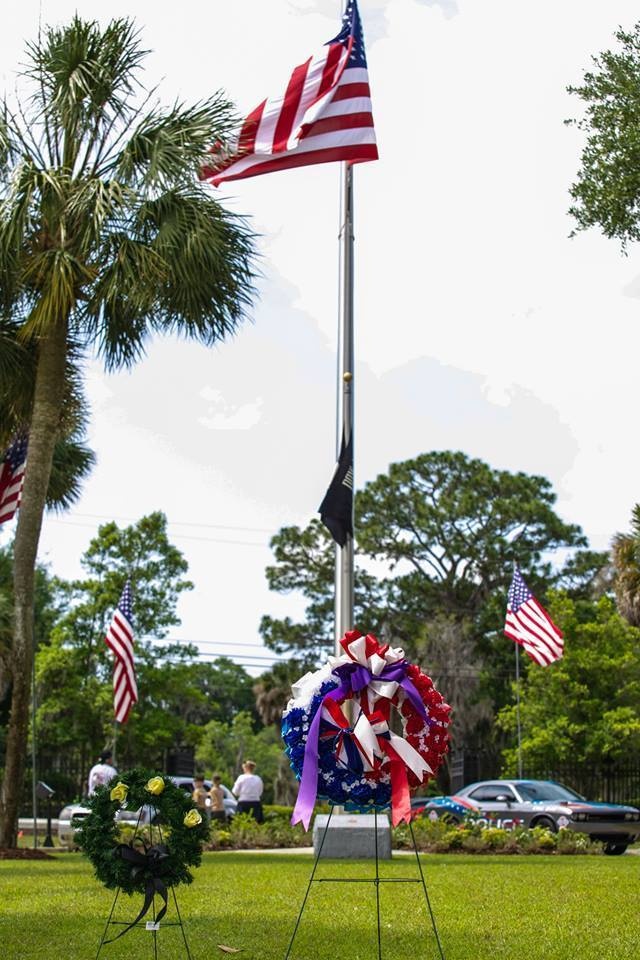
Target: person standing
101,772
248,789
217,801
200,796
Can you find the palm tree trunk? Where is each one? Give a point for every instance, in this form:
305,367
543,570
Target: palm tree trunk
45,421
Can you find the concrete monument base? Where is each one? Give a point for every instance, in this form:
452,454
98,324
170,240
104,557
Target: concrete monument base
351,836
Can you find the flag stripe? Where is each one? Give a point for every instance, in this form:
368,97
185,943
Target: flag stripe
350,88
250,128
331,124
289,110
336,60
343,108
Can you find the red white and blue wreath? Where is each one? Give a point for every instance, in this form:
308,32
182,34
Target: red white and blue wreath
360,763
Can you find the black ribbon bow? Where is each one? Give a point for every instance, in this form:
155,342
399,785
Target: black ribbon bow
150,862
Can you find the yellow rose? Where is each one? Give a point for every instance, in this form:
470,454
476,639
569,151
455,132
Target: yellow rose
119,792
155,786
192,818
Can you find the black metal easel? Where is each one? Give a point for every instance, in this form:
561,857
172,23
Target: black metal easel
143,923
377,880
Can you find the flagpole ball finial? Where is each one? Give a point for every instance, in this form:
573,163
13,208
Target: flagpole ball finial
347,376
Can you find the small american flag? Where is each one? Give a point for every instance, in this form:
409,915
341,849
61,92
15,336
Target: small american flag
529,624
12,478
323,115
119,639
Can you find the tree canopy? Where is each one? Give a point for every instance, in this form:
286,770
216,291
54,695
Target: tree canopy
606,193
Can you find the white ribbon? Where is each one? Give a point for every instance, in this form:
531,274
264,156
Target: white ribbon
367,733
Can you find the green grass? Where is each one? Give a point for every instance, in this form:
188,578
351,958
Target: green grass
487,908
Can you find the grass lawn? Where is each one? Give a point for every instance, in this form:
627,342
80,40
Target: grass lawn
498,908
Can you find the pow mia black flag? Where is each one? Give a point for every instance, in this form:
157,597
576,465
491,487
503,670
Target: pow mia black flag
336,510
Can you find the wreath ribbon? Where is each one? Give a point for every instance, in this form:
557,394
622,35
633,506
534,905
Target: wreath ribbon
377,739
347,747
151,862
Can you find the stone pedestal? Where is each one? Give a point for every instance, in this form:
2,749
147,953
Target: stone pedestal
351,836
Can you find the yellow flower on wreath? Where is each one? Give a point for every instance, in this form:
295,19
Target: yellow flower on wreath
192,818
155,786
119,792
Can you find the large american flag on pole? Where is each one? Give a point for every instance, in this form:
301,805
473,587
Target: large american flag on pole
529,624
323,115
12,477
119,639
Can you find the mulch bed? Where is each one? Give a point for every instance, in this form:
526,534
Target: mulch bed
23,853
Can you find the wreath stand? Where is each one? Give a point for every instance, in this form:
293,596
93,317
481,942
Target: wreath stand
150,925
376,880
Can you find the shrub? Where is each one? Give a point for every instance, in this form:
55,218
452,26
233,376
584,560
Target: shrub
243,833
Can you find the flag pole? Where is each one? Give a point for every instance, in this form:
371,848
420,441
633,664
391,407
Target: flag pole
344,564
115,738
517,646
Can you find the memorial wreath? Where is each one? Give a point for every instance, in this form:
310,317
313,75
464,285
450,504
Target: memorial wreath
338,736
140,866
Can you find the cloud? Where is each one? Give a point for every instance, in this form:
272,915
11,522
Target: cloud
278,448
224,416
450,8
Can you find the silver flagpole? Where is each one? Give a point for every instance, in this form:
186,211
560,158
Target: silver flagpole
517,646
345,392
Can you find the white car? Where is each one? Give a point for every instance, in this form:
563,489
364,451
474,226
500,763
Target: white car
70,817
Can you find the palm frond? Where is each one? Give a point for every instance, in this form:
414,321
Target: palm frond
168,147
72,463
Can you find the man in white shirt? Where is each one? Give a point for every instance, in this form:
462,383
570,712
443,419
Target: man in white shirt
101,772
248,789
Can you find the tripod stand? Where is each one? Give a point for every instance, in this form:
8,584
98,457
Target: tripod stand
151,925
376,880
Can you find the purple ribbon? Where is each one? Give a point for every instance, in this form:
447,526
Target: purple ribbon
353,678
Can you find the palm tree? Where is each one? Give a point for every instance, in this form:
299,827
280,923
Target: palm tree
272,689
625,552
106,237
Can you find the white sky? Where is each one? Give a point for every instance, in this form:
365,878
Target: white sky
480,325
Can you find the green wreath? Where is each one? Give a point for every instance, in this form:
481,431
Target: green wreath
176,833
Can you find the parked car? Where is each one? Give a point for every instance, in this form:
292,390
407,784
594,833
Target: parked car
538,803
70,816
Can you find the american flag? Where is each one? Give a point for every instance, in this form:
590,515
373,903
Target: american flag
12,478
529,624
323,115
119,639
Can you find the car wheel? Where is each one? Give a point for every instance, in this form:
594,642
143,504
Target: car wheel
614,849
547,823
